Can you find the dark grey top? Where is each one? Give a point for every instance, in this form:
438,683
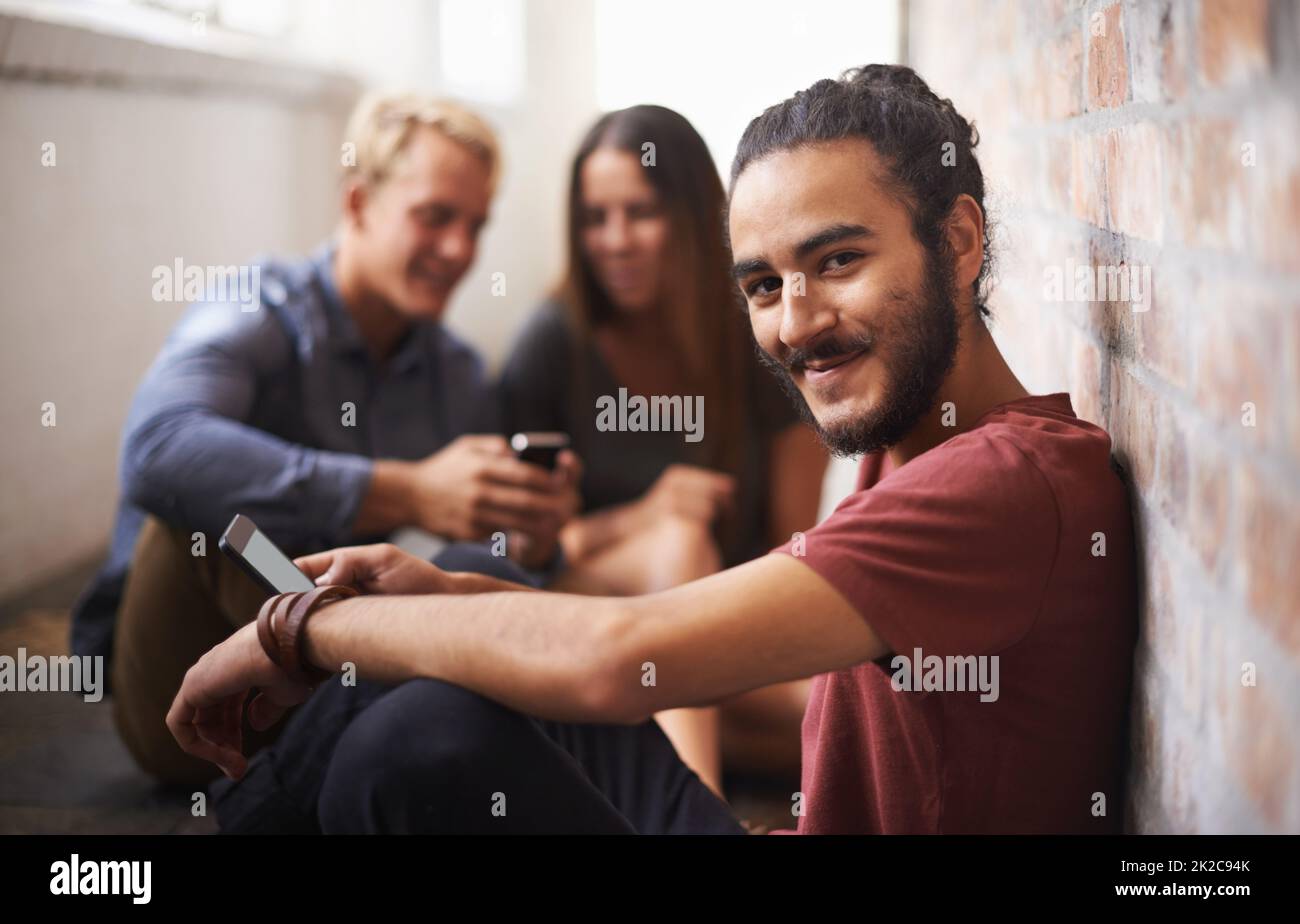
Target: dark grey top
539,387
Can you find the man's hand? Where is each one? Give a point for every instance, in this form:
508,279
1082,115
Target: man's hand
534,547
377,569
206,717
386,569
475,486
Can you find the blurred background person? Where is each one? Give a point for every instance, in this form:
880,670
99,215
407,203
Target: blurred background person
647,305
339,410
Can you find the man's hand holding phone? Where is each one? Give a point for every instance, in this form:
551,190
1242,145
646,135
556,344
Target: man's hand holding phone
385,569
377,569
476,486
472,488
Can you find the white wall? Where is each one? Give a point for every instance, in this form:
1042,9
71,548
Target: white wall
153,160
539,132
721,63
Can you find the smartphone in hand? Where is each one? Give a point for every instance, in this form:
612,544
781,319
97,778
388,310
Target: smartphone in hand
541,448
260,557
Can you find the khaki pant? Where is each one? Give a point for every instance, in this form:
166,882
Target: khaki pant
175,607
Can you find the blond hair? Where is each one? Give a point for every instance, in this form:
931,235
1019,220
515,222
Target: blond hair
382,124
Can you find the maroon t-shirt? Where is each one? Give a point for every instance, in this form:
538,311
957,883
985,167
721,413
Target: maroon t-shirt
987,545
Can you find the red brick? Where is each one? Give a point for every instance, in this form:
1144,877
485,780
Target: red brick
1163,339
1132,419
1134,181
1268,551
1085,378
1115,322
1107,64
1209,501
1240,337
1180,745
1056,175
1088,178
1153,32
1159,627
1172,466
1059,68
1174,54
1207,184
1261,750
1233,39
1042,16
1273,183
1190,674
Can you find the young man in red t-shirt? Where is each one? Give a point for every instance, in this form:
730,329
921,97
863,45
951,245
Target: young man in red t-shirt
969,611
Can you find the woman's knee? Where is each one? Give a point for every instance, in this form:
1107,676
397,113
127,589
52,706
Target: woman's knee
680,549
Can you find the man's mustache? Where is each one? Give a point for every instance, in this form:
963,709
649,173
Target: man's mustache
826,348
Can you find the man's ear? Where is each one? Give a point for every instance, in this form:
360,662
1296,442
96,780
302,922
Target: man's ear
965,231
355,196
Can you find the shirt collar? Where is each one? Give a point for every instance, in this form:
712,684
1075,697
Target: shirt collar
417,348
341,329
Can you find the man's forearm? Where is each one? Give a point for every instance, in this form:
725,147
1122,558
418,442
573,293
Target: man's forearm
387,503
187,467
550,655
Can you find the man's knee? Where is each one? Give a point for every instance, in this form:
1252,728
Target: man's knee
154,750
169,615
406,761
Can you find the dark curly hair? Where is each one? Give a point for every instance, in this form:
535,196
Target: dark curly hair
907,124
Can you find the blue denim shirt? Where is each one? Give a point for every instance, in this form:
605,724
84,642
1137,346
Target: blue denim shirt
244,412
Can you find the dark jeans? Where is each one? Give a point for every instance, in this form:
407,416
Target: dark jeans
430,757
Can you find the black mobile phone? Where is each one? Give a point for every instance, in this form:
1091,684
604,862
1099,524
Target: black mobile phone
539,448
260,557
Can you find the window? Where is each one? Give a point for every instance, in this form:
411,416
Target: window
481,49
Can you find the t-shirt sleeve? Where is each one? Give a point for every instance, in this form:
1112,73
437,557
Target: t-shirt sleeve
534,384
950,553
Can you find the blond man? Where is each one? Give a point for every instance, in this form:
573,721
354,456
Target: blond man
338,410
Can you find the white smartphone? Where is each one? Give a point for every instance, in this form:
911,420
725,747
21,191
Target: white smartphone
260,557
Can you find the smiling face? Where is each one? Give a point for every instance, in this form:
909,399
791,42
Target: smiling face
856,318
417,231
624,228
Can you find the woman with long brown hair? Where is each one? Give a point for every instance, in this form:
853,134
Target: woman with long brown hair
647,308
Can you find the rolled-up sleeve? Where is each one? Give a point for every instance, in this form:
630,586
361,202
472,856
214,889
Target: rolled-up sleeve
190,457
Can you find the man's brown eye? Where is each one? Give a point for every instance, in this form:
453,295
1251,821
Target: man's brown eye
758,287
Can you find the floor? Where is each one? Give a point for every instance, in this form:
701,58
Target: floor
62,768
64,771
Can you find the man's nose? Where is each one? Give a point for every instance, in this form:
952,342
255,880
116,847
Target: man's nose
456,245
803,317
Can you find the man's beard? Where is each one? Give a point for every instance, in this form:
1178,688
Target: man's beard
921,347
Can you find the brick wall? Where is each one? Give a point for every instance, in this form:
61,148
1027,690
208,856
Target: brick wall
1164,134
